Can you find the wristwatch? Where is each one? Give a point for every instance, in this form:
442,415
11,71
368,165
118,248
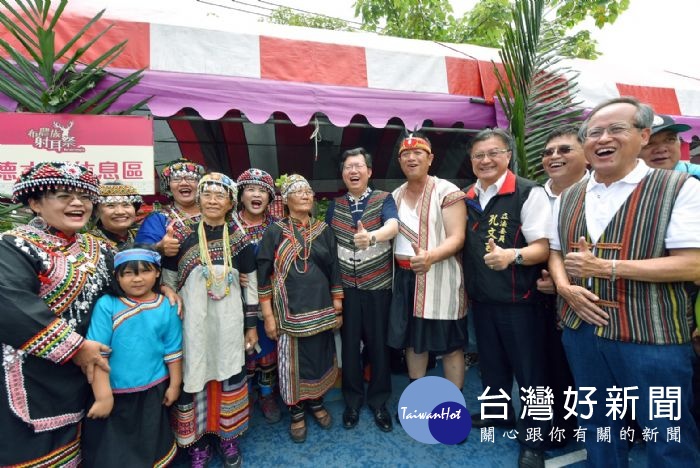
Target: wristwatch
372,241
519,260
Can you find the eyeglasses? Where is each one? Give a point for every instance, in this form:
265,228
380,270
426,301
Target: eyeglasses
188,179
494,153
354,167
561,149
67,198
615,129
301,193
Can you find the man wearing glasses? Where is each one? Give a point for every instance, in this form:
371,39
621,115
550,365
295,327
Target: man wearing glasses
364,222
664,148
565,164
506,246
625,251
563,161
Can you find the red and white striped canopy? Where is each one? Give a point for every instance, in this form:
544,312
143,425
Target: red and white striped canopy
214,65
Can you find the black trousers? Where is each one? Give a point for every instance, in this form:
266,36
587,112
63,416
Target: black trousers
560,378
510,340
365,318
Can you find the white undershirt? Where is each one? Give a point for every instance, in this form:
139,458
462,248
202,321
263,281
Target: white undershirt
550,194
535,221
603,202
409,217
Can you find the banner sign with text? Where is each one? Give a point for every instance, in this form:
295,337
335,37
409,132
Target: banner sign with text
114,147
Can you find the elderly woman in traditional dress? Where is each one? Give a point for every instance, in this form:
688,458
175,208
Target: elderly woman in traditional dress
167,229
50,277
218,327
256,191
116,215
301,299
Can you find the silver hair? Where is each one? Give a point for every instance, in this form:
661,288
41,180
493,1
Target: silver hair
643,118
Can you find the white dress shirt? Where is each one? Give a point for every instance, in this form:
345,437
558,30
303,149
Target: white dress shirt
535,220
603,202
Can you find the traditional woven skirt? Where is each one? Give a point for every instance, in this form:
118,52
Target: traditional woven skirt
407,331
23,447
137,433
264,362
307,366
20,445
220,409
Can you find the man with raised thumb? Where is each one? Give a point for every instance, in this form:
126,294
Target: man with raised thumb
364,222
625,252
428,310
505,250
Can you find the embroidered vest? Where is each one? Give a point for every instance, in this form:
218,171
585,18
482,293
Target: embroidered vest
370,268
640,312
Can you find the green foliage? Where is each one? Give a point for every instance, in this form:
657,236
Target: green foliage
537,93
571,12
320,208
580,45
413,19
281,180
488,21
12,214
284,15
54,80
484,25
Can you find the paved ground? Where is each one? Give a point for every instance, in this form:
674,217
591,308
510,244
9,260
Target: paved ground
269,445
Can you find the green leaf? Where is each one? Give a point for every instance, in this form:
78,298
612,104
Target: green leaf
14,72
70,63
535,93
19,94
29,43
17,17
57,15
100,102
41,85
81,32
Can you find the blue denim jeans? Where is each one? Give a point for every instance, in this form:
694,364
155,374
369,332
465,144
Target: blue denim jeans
602,363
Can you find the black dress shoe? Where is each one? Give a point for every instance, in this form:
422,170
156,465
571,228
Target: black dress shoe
478,423
382,419
350,417
530,458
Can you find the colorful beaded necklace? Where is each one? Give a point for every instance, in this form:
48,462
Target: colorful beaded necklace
305,247
211,278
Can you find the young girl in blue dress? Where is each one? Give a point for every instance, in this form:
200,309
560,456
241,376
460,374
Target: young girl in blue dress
128,424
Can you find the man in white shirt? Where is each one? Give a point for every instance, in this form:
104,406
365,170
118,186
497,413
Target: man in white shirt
625,249
565,164
505,249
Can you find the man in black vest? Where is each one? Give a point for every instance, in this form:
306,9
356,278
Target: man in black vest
364,222
506,245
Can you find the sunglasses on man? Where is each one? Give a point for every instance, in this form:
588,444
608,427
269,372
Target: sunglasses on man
561,149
